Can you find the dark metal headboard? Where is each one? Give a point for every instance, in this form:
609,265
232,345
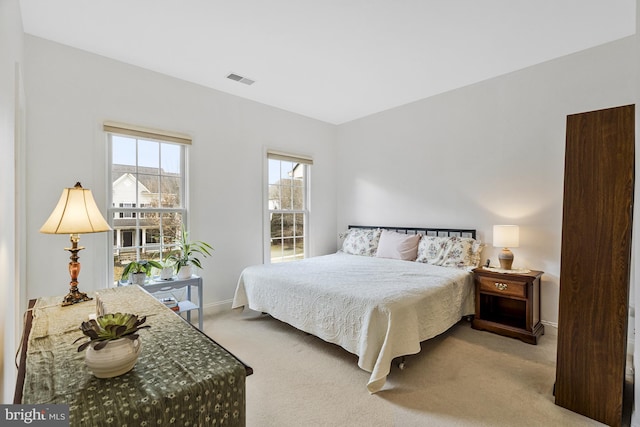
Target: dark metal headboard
440,232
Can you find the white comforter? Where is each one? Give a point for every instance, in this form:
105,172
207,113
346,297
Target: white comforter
376,308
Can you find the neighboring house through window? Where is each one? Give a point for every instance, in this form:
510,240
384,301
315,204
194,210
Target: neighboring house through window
147,206
287,210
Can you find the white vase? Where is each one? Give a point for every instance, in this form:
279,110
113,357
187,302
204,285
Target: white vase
116,358
137,278
185,272
166,273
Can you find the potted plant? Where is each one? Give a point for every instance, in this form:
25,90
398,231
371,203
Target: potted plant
114,343
137,271
166,273
185,254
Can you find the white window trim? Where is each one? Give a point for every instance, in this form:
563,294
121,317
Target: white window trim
112,130
266,222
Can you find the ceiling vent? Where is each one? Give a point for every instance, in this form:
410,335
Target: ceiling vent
240,79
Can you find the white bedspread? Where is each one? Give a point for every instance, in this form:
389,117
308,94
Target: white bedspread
376,308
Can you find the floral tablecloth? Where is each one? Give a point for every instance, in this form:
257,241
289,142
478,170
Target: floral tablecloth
181,378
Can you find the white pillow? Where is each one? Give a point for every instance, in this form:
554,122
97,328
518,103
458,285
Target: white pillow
398,246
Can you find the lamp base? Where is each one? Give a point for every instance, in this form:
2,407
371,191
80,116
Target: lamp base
75,296
506,259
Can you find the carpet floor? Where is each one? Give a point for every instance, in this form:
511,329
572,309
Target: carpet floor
463,377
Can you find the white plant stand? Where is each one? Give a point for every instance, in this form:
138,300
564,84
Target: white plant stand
186,306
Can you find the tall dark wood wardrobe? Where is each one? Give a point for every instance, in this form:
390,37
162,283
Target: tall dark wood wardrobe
595,263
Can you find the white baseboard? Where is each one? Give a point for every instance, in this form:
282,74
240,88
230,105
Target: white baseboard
547,323
217,307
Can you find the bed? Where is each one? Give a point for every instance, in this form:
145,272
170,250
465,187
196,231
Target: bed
384,292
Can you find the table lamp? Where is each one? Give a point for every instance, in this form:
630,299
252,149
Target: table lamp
76,213
505,237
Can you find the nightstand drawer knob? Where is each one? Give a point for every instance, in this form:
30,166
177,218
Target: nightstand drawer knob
501,286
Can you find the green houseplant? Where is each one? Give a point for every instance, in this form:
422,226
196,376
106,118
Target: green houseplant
114,343
186,254
139,270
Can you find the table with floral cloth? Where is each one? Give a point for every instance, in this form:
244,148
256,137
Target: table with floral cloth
181,378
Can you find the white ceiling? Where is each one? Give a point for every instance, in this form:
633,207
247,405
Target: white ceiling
333,60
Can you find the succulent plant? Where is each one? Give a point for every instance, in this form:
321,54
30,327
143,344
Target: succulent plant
110,327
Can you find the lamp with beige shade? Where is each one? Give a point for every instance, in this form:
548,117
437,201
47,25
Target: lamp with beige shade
76,213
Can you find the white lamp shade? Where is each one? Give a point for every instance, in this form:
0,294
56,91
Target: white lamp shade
75,213
506,236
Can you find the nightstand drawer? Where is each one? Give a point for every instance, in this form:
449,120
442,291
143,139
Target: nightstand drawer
503,287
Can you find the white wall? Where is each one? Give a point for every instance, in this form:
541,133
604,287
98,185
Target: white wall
71,93
485,154
10,178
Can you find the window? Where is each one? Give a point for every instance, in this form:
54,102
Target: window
147,198
126,214
287,212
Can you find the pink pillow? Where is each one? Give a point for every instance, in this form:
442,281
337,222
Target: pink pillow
398,246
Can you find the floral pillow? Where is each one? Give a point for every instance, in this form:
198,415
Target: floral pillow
361,241
431,249
450,251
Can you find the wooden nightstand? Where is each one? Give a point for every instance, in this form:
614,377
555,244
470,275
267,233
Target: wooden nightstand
508,304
